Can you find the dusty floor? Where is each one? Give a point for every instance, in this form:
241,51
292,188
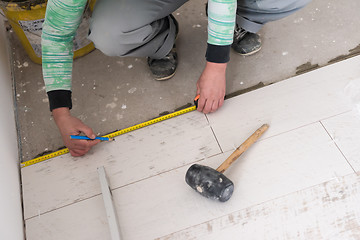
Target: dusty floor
112,93
300,180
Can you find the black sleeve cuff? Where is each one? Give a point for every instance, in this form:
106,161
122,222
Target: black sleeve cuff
218,54
59,98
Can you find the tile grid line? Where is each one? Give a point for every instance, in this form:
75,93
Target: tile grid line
333,140
199,161
128,184
214,133
66,205
140,180
301,126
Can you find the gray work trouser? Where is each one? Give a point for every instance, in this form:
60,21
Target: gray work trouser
144,28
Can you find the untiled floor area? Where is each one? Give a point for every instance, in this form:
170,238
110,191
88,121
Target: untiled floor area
114,93
299,181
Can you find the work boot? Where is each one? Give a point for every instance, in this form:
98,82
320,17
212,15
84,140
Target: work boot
164,68
245,43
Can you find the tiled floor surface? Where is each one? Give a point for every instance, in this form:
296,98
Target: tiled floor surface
299,181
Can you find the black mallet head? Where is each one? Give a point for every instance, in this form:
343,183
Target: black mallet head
209,182
212,183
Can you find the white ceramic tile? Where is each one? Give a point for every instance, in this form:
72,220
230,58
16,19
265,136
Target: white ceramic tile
328,211
85,220
271,168
286,105
132,157
345,130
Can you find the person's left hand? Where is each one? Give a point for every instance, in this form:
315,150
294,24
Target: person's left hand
211,87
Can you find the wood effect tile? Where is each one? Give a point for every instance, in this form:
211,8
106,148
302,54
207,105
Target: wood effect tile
132,157
286,105
164,204
345,130
85,220
326,211
272,168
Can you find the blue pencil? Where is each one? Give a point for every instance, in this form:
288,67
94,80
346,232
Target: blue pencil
87,138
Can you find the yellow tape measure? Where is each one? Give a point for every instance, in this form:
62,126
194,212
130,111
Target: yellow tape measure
111,135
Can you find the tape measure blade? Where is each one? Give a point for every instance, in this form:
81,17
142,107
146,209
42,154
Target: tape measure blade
45,157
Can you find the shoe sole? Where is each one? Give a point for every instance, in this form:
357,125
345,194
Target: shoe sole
250,53
165,78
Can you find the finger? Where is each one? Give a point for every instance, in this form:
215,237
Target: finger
73,153
221,102
85,144
208,106
81,152
92,143
215,106
76,153
201,104
87,130
80,144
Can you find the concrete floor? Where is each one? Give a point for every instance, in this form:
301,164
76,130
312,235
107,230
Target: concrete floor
112,93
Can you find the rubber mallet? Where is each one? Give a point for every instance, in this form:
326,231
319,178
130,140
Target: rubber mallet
213,183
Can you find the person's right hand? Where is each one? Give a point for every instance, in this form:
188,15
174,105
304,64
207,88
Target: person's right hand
69,125
211,87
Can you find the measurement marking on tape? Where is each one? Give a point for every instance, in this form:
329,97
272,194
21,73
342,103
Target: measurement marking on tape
111,135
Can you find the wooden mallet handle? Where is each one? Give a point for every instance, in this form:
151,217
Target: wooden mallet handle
242,148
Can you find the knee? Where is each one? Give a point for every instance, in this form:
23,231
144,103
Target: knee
106,45
112,40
